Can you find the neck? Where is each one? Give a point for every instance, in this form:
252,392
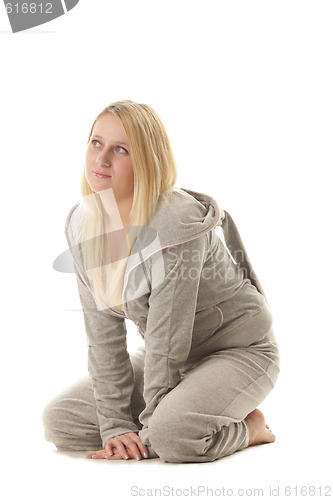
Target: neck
117,208
124,206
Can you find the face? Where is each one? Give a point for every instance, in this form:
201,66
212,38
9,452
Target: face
108,159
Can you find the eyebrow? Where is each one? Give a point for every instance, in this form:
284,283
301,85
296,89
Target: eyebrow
100,137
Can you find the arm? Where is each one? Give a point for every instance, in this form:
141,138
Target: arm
236,246
168,336
108,360
109,367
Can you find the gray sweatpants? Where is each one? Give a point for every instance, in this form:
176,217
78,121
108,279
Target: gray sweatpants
202,418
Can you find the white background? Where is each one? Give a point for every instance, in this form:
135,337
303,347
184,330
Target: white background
245,91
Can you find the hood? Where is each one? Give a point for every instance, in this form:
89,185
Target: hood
187,215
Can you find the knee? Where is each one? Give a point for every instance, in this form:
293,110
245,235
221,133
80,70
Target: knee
51,418
162,436
171,437
48,419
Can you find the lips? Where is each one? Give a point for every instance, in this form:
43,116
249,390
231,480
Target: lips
100,175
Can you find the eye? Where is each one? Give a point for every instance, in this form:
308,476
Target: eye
94,141
120,149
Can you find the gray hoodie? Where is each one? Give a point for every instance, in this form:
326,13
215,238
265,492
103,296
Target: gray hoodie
177,273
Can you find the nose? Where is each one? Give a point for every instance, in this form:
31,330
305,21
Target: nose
103,160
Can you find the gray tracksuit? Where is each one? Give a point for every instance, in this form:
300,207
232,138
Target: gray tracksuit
191,290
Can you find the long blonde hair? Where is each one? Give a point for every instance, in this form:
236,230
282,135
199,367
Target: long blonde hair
155,174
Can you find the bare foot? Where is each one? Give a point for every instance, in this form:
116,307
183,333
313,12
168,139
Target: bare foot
259,431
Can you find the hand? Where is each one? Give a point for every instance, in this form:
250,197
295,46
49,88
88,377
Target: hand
125,446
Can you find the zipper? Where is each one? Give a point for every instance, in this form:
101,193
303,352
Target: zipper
116,313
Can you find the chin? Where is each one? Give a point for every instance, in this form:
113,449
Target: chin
99,186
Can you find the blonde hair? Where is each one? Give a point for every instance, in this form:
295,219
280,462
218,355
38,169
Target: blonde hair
155,173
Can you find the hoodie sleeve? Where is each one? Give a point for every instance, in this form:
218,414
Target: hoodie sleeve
109,367
168,335
109,364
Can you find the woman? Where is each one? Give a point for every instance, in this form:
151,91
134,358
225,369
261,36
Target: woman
149,252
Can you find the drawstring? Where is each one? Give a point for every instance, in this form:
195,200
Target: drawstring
138,327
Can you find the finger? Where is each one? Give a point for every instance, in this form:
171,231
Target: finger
108,449
116,456
114,452
132,447
97,454
142,448
120,448
91,453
